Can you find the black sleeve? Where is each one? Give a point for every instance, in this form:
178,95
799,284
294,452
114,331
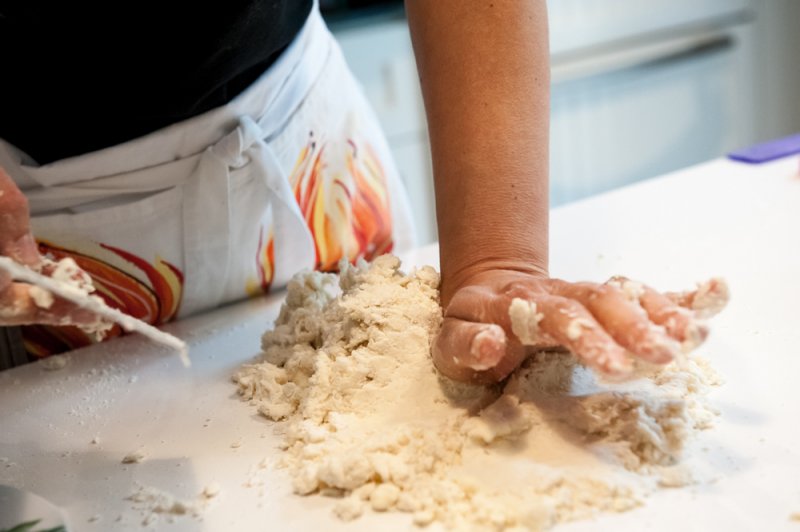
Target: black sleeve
78,77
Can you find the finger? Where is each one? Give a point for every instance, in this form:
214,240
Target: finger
481,304
625,321
707,301
16,240
679,322
24,304
475,352
568,323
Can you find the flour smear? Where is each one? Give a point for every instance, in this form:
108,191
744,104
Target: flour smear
368,421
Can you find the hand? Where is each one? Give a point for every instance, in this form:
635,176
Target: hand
17,305
600,323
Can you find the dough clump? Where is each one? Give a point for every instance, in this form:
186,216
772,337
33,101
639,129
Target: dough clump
367,419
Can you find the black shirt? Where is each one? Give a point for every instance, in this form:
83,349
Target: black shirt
76,78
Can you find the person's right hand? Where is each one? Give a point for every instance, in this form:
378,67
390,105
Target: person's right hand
607,326
17,306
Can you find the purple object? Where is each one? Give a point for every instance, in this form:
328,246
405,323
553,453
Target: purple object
767,151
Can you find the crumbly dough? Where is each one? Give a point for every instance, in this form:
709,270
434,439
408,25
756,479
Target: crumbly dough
55,362
134,457
367,419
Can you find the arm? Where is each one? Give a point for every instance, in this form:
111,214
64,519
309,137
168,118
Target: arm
484,70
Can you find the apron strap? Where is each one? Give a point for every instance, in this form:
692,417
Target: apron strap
207,215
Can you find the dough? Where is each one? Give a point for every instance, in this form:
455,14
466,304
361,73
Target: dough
367,419
135,457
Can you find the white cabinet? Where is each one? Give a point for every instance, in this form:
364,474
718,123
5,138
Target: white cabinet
639,89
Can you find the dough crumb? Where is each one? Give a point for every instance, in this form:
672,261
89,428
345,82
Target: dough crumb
794,516
154,503
135,457
366,419
41,298
54,362
525,320
212,490
675,477
349,508
71,278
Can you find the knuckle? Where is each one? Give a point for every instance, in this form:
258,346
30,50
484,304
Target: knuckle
517,289
596,291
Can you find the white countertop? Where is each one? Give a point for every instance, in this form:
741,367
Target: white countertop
722,218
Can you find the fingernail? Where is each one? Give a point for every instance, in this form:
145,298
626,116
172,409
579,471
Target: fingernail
711,297
487,347
695,334
664,350
25,250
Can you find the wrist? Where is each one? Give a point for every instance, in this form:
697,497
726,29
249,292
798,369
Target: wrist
486,270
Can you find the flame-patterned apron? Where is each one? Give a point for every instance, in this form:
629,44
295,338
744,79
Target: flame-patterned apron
293,174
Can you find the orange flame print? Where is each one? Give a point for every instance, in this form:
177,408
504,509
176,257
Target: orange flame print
155,303
344,200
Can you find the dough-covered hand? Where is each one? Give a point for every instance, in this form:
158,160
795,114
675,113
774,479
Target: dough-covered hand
491,320
18,305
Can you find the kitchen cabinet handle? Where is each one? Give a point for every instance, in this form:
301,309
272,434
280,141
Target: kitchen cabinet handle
637,56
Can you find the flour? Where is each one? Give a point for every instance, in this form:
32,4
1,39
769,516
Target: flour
369,421
154,504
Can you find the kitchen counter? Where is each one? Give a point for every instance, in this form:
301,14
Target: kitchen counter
64,433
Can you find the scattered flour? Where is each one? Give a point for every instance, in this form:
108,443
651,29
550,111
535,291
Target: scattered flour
155,504
368,420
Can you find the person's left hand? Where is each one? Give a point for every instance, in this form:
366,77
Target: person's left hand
602,324
18,306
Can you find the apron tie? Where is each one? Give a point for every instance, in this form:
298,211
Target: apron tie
207,215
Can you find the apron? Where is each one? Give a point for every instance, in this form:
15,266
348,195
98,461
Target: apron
293,174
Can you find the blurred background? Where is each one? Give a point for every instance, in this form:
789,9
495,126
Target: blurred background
638,88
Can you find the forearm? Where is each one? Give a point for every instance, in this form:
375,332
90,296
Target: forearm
484,71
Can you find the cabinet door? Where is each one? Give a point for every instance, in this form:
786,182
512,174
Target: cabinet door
616,128
414,163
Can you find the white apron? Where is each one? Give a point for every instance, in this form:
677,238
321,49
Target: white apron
293,174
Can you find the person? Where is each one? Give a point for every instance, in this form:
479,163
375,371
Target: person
220,152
